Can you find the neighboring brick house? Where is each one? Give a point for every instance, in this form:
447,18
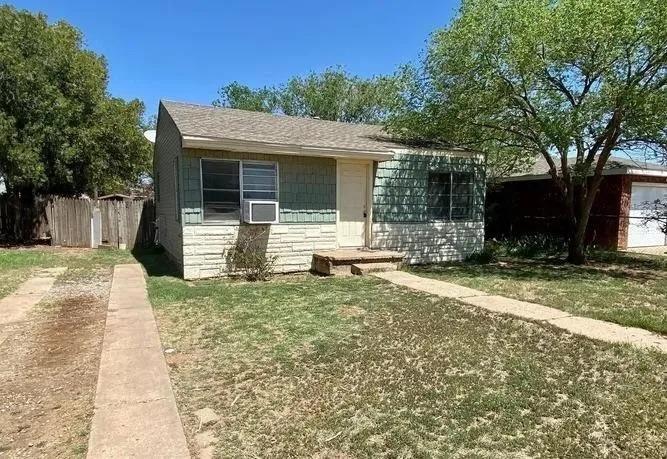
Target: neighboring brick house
334,185
530,203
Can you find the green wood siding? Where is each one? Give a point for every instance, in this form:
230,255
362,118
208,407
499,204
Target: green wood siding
167,151
400,188
307,186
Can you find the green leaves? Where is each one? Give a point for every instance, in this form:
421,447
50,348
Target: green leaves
239,96
331,95
59,130
545,77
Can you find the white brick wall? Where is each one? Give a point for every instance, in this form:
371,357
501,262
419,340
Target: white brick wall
294,244
430,242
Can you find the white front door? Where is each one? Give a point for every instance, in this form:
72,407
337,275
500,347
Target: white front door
352,195
640,232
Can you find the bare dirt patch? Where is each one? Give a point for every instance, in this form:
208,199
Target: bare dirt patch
49,369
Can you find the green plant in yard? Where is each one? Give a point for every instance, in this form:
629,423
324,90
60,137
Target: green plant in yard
571,81
533,245
489,254
248,257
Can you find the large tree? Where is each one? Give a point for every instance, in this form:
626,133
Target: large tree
331,95
60,131
573,81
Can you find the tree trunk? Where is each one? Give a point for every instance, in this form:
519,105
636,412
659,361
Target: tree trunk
576,248
584,199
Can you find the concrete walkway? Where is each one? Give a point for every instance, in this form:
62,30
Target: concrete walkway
656,250
135,411
591,328
15,307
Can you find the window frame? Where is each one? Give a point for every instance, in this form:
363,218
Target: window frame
470,216
177,188
240,163
156,184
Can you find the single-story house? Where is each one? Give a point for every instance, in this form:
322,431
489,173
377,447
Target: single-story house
530,203
311,185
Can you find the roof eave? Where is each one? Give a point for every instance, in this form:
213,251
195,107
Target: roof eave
216,143
459,152
647,172
615,171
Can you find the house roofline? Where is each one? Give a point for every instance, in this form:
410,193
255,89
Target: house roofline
616,171
219,143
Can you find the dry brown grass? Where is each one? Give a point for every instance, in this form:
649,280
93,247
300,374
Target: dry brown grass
628,289
357,367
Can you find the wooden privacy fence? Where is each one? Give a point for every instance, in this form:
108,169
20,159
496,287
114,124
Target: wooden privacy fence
124,224
67,221
21,221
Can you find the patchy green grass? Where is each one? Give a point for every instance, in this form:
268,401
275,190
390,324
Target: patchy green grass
17,264
306,366
628,289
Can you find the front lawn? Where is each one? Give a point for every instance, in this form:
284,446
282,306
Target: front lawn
628,289
327,367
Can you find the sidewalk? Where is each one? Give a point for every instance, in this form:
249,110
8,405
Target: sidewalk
135,410
591,328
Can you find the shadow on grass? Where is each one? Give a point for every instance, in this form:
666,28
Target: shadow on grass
156,262
599,265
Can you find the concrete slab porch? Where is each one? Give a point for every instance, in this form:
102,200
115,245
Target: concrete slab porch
340,261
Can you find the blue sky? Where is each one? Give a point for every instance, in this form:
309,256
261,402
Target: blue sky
187,50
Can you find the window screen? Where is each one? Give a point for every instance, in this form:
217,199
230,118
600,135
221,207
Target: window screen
221,193
462,196
450,195
260,181
439,195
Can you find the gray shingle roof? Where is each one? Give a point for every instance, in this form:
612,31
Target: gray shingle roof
242,125
615,162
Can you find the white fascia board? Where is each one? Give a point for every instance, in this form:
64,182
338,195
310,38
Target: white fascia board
647,173
208,143
525,178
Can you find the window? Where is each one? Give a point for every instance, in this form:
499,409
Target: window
223,180
177,191
220,190
439,195
260,181
450,195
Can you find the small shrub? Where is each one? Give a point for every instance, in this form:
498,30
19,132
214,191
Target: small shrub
489,254
534,245
248,257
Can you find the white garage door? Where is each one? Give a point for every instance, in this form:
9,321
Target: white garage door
640,233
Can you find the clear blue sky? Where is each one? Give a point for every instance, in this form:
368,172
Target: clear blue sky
186,50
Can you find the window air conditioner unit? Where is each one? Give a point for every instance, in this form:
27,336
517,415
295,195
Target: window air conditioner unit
260,212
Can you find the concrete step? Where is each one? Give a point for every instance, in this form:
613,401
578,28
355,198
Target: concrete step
361,269
339,262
